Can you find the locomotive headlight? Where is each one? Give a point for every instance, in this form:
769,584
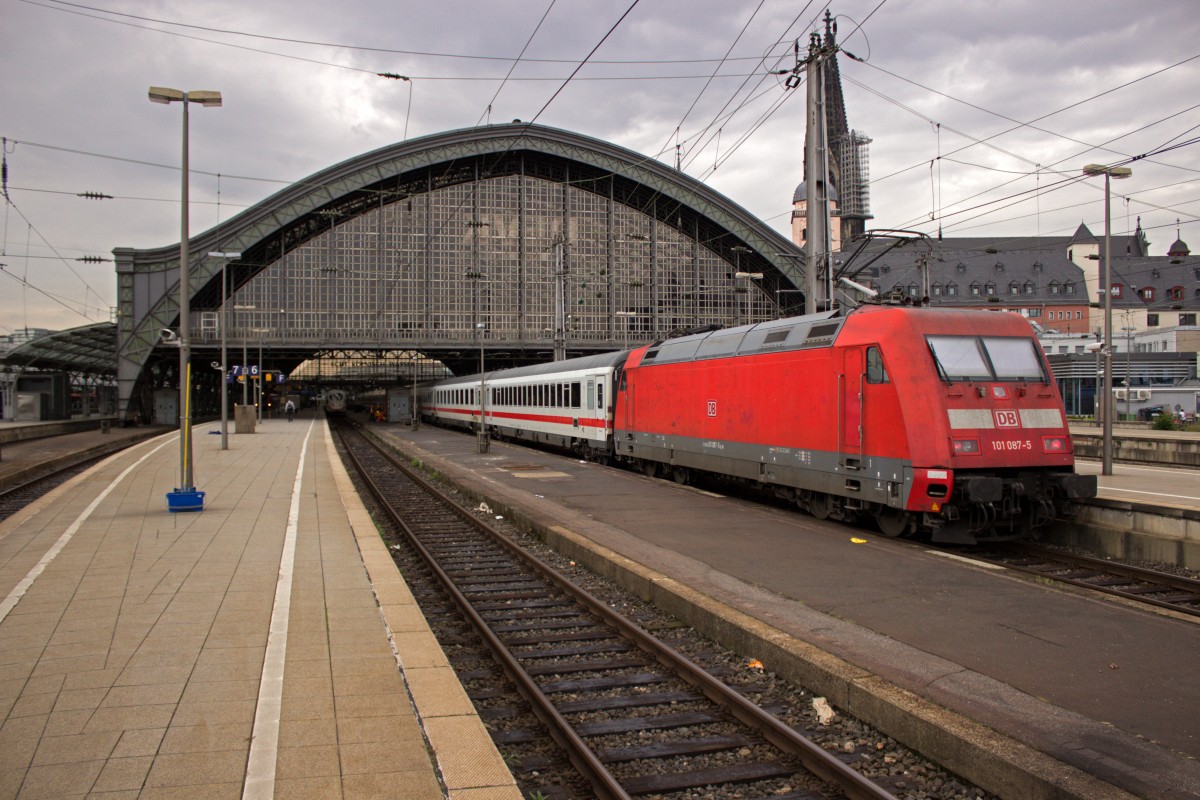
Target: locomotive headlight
965,447
1055,444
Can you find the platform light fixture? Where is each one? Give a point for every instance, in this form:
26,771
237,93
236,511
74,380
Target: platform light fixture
185,498
738,277
1109,173
628,315
225,259
483,443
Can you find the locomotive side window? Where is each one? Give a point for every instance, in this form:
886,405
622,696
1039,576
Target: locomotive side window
1014,359
876,373
959,358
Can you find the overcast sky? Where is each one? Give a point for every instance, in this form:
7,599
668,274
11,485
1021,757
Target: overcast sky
1014,96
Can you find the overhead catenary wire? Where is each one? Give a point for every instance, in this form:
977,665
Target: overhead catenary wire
50,4
695,147
1040,167
717,68
516,62
417,76
65,261
1047,115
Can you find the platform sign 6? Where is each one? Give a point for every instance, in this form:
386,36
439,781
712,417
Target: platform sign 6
1006,418
712,408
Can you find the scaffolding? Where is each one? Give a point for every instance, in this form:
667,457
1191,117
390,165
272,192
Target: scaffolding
855,176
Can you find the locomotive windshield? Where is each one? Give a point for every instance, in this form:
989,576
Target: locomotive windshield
986,358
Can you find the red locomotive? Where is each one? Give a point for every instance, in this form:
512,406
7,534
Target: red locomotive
929,420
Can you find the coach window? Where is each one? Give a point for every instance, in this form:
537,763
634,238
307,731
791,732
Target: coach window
875,369
575,395
591,395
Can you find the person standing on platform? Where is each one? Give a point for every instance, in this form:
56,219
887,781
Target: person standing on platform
290,408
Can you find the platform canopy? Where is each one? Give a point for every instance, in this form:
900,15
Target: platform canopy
89,349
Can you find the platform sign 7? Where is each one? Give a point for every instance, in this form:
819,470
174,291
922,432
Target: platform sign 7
712,408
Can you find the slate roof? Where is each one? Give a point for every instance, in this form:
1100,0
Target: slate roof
1173,282
1013,277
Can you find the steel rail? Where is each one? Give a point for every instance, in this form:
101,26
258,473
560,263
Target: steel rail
814,758
1102,567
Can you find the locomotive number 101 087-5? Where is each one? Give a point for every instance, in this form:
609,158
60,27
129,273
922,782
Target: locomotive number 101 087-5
1012,444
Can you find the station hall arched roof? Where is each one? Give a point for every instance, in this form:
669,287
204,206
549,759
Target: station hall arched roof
303,210
147,280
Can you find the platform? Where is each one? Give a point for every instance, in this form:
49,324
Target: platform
263,647
1045,690
27,455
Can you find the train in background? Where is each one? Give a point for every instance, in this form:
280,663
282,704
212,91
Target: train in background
390,404
335,402
940,422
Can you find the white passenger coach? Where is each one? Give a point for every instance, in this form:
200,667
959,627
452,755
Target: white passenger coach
563,403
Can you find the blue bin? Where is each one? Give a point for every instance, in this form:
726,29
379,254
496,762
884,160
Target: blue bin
180,500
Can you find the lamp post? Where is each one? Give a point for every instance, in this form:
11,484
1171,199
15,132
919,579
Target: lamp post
1109,173
737,276
413,415
1129,329
245,357
208,99
483,443
225,259
258,387
737,270
628,315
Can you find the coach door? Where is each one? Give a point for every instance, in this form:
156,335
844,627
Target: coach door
851,412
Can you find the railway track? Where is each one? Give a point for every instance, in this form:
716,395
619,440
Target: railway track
633,716
1152,587
16,497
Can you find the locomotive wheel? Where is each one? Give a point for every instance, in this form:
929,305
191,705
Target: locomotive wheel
681,475
649,468
892,523
820,505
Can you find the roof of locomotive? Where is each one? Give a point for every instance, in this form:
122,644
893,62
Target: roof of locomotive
792,333
818,330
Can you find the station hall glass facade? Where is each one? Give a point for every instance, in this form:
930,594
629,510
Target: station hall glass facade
528,259
526,243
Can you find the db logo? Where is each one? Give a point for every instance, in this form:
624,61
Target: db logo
1007,418
712,408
